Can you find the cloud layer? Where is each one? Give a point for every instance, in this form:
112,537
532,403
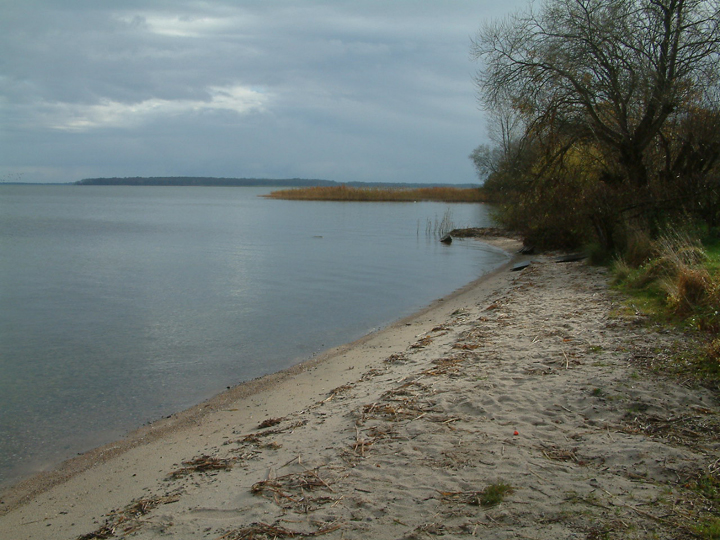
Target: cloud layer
345,90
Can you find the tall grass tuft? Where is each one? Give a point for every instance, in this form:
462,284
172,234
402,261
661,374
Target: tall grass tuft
639,247
621,271
681,249
687,282
678,270
688,289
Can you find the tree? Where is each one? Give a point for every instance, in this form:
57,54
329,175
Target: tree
609,96
612,71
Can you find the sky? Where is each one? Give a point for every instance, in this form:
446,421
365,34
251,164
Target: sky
345,90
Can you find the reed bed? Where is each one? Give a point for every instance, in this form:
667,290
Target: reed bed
374,194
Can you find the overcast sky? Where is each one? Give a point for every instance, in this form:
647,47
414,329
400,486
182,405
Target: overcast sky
346,90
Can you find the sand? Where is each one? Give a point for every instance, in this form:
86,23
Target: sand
524,406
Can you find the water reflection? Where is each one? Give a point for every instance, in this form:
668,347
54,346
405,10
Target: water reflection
121,304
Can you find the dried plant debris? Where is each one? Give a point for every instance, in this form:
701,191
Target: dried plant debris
475,335
466,346
256,438
270,422
396,358
263,531
422,343
686,430
127,520
106,531
560,454
492,495
203,464
272,445
371,373
444,366
411,388
335,392
371,436
401,409
389,412
422,531
306,480
362,444
291,490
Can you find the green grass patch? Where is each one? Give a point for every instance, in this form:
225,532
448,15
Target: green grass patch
494,494
699,364
347,193
679,285
709,487
709,529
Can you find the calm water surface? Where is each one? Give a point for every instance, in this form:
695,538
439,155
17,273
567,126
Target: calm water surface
119,305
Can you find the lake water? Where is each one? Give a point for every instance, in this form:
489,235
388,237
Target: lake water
120,305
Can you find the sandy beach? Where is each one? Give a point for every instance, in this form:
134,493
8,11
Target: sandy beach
523,406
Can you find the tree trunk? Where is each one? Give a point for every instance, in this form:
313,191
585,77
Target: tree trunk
631,160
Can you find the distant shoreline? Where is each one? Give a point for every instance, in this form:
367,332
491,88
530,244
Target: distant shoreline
247,182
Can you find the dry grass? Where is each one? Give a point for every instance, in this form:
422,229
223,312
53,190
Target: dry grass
678,271
687,282
640,247
689,288
346,193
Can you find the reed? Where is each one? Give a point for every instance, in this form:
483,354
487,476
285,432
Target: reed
375,194
438,227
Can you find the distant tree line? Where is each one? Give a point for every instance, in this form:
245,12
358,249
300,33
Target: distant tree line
605,118
201,181
247,182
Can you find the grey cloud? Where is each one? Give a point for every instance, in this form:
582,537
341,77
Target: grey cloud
348,90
